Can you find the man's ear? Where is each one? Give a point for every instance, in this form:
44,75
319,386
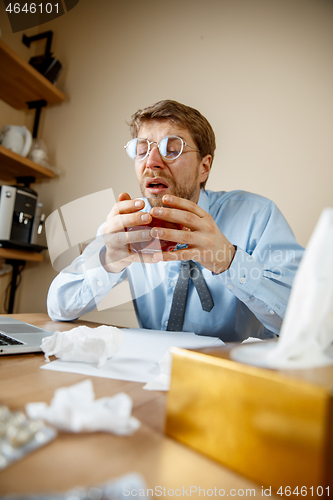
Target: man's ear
205,167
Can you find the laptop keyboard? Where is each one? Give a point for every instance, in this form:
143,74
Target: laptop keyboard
4,340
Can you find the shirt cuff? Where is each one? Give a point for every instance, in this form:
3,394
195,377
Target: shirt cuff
244,274
100,280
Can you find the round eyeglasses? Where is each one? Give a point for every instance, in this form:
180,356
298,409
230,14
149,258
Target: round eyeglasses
170,148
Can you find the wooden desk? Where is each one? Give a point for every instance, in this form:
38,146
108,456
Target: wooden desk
87,459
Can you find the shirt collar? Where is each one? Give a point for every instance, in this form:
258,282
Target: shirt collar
203,201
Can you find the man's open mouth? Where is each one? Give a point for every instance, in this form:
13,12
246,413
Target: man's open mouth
156,184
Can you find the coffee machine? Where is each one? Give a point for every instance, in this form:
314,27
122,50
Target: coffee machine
21,219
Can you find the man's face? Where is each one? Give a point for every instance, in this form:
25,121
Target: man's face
180,177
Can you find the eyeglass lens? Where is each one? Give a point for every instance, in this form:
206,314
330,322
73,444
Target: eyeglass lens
169,147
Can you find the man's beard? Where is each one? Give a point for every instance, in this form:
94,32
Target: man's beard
186,191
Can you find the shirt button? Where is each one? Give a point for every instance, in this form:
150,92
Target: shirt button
230,287
242,280
165,323
172,283
271,312
100,283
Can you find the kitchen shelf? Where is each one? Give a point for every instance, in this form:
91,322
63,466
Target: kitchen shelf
13,165
13,253
22,87
20,83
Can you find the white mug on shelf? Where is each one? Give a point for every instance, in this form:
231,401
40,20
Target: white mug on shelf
17,139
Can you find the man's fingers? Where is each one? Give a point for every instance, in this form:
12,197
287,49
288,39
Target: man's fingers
123,197
186,219
123,238
183,204
181,237
125,221
126,207
192,219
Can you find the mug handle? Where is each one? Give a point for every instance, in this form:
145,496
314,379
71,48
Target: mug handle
27,141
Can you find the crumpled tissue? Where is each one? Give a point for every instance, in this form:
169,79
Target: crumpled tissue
251,339
162,381
75,409
90,345
306,336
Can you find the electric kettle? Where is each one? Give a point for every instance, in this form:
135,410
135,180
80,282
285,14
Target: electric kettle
16,138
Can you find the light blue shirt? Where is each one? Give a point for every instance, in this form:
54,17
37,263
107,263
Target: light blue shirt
250,298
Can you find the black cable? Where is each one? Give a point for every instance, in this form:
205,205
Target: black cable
9,286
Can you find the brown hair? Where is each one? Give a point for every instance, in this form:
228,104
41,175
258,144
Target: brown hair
185,117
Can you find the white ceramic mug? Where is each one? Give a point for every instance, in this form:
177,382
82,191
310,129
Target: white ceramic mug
16,138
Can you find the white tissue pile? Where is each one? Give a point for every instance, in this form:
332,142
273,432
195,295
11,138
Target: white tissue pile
90,345
306,337
75,409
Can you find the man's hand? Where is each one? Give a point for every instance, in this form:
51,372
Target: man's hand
126,213
206,244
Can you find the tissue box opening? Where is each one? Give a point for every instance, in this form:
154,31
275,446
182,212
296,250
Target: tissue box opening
274,428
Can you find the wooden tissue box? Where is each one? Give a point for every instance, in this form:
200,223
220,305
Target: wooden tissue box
275,427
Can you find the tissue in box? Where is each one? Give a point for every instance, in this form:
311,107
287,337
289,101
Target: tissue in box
275,427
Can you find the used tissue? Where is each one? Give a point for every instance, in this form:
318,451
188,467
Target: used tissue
75,409
90,345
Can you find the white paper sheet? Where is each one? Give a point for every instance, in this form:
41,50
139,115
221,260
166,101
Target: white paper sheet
137,359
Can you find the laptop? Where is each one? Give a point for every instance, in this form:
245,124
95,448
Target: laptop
17,337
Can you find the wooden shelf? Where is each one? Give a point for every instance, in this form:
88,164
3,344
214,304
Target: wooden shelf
20,83
12,253
13,165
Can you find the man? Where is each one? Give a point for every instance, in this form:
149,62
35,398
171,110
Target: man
237,248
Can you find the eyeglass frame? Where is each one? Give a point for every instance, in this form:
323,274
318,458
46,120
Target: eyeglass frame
158,147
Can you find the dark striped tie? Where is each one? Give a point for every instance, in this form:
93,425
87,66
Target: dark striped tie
188,269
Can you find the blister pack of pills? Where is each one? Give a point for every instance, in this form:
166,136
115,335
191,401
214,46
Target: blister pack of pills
20,435
130,486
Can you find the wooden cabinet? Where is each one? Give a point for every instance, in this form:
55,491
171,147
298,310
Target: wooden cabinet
21,84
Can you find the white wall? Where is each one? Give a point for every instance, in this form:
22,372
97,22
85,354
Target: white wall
261,71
